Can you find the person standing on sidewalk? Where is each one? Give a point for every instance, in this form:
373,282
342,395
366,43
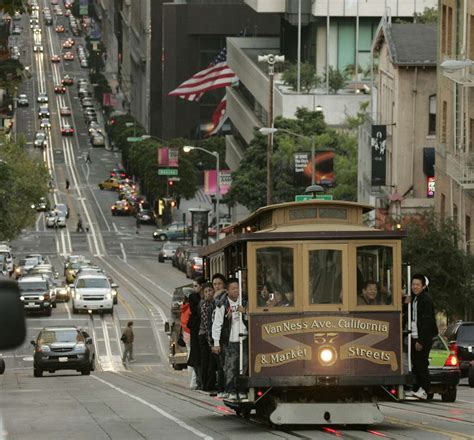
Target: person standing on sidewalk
127,339
194,323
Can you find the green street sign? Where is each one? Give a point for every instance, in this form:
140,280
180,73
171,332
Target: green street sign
167,171
303,197
134,139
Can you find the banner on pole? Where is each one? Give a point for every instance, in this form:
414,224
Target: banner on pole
168,157
378,144
210,181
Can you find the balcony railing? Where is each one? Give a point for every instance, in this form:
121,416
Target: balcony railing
461,170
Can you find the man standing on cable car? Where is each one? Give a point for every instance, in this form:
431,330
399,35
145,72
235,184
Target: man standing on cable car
226,329
423,330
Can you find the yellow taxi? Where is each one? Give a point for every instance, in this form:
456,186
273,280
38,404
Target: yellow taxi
111,184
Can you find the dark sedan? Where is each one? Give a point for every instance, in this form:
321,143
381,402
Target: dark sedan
63,348
146,216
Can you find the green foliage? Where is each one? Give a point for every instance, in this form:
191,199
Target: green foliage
11,75
24,181
249,181
337,80
11,6
308,78
429,15
354,122
432,248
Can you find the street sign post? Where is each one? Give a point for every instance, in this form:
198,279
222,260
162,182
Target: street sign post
167,171
303,197
134,139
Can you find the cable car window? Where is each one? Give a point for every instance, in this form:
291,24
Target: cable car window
325,276
374,275
275,283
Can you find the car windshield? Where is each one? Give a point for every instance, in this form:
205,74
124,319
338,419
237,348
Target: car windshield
171,246
466,333
31,261
88,283
32,285
52,336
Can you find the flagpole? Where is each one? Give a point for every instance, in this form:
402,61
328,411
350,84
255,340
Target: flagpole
298,64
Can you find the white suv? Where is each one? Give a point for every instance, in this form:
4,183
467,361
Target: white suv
92,291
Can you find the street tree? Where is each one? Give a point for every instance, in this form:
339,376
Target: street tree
11,6
249,180
23,183
432,247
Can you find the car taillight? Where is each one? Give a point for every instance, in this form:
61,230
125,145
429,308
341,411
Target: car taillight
453,347
452,361
196,266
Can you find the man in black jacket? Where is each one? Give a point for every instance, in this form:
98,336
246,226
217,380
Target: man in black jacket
423,331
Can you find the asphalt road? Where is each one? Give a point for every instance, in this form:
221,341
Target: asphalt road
146,399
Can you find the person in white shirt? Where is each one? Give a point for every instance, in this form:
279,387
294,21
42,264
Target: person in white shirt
226,330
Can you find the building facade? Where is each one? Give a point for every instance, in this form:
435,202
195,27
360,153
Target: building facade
405,91
335,33
455,123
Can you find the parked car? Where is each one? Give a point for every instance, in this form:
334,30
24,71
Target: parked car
63,348
444,370
194,267
460,336
175,231
167,252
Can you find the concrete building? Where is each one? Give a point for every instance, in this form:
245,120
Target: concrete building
455,124
163,43
405,86
335,33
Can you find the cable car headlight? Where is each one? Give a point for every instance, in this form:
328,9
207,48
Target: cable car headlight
327,355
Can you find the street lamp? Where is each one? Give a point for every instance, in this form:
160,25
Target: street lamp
272,131
270,60
187,149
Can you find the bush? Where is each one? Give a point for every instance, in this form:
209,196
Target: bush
308,78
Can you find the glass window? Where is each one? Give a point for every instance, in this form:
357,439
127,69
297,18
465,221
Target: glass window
275,284
374,275
325,276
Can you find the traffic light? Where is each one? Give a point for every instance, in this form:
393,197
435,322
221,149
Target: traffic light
170,183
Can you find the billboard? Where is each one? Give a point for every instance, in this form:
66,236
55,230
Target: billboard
378,147
323,165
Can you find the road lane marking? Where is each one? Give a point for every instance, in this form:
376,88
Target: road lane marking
37,221
450,434
68,311
157,409
123,253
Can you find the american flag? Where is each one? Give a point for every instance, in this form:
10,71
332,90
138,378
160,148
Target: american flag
218,117
217,75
